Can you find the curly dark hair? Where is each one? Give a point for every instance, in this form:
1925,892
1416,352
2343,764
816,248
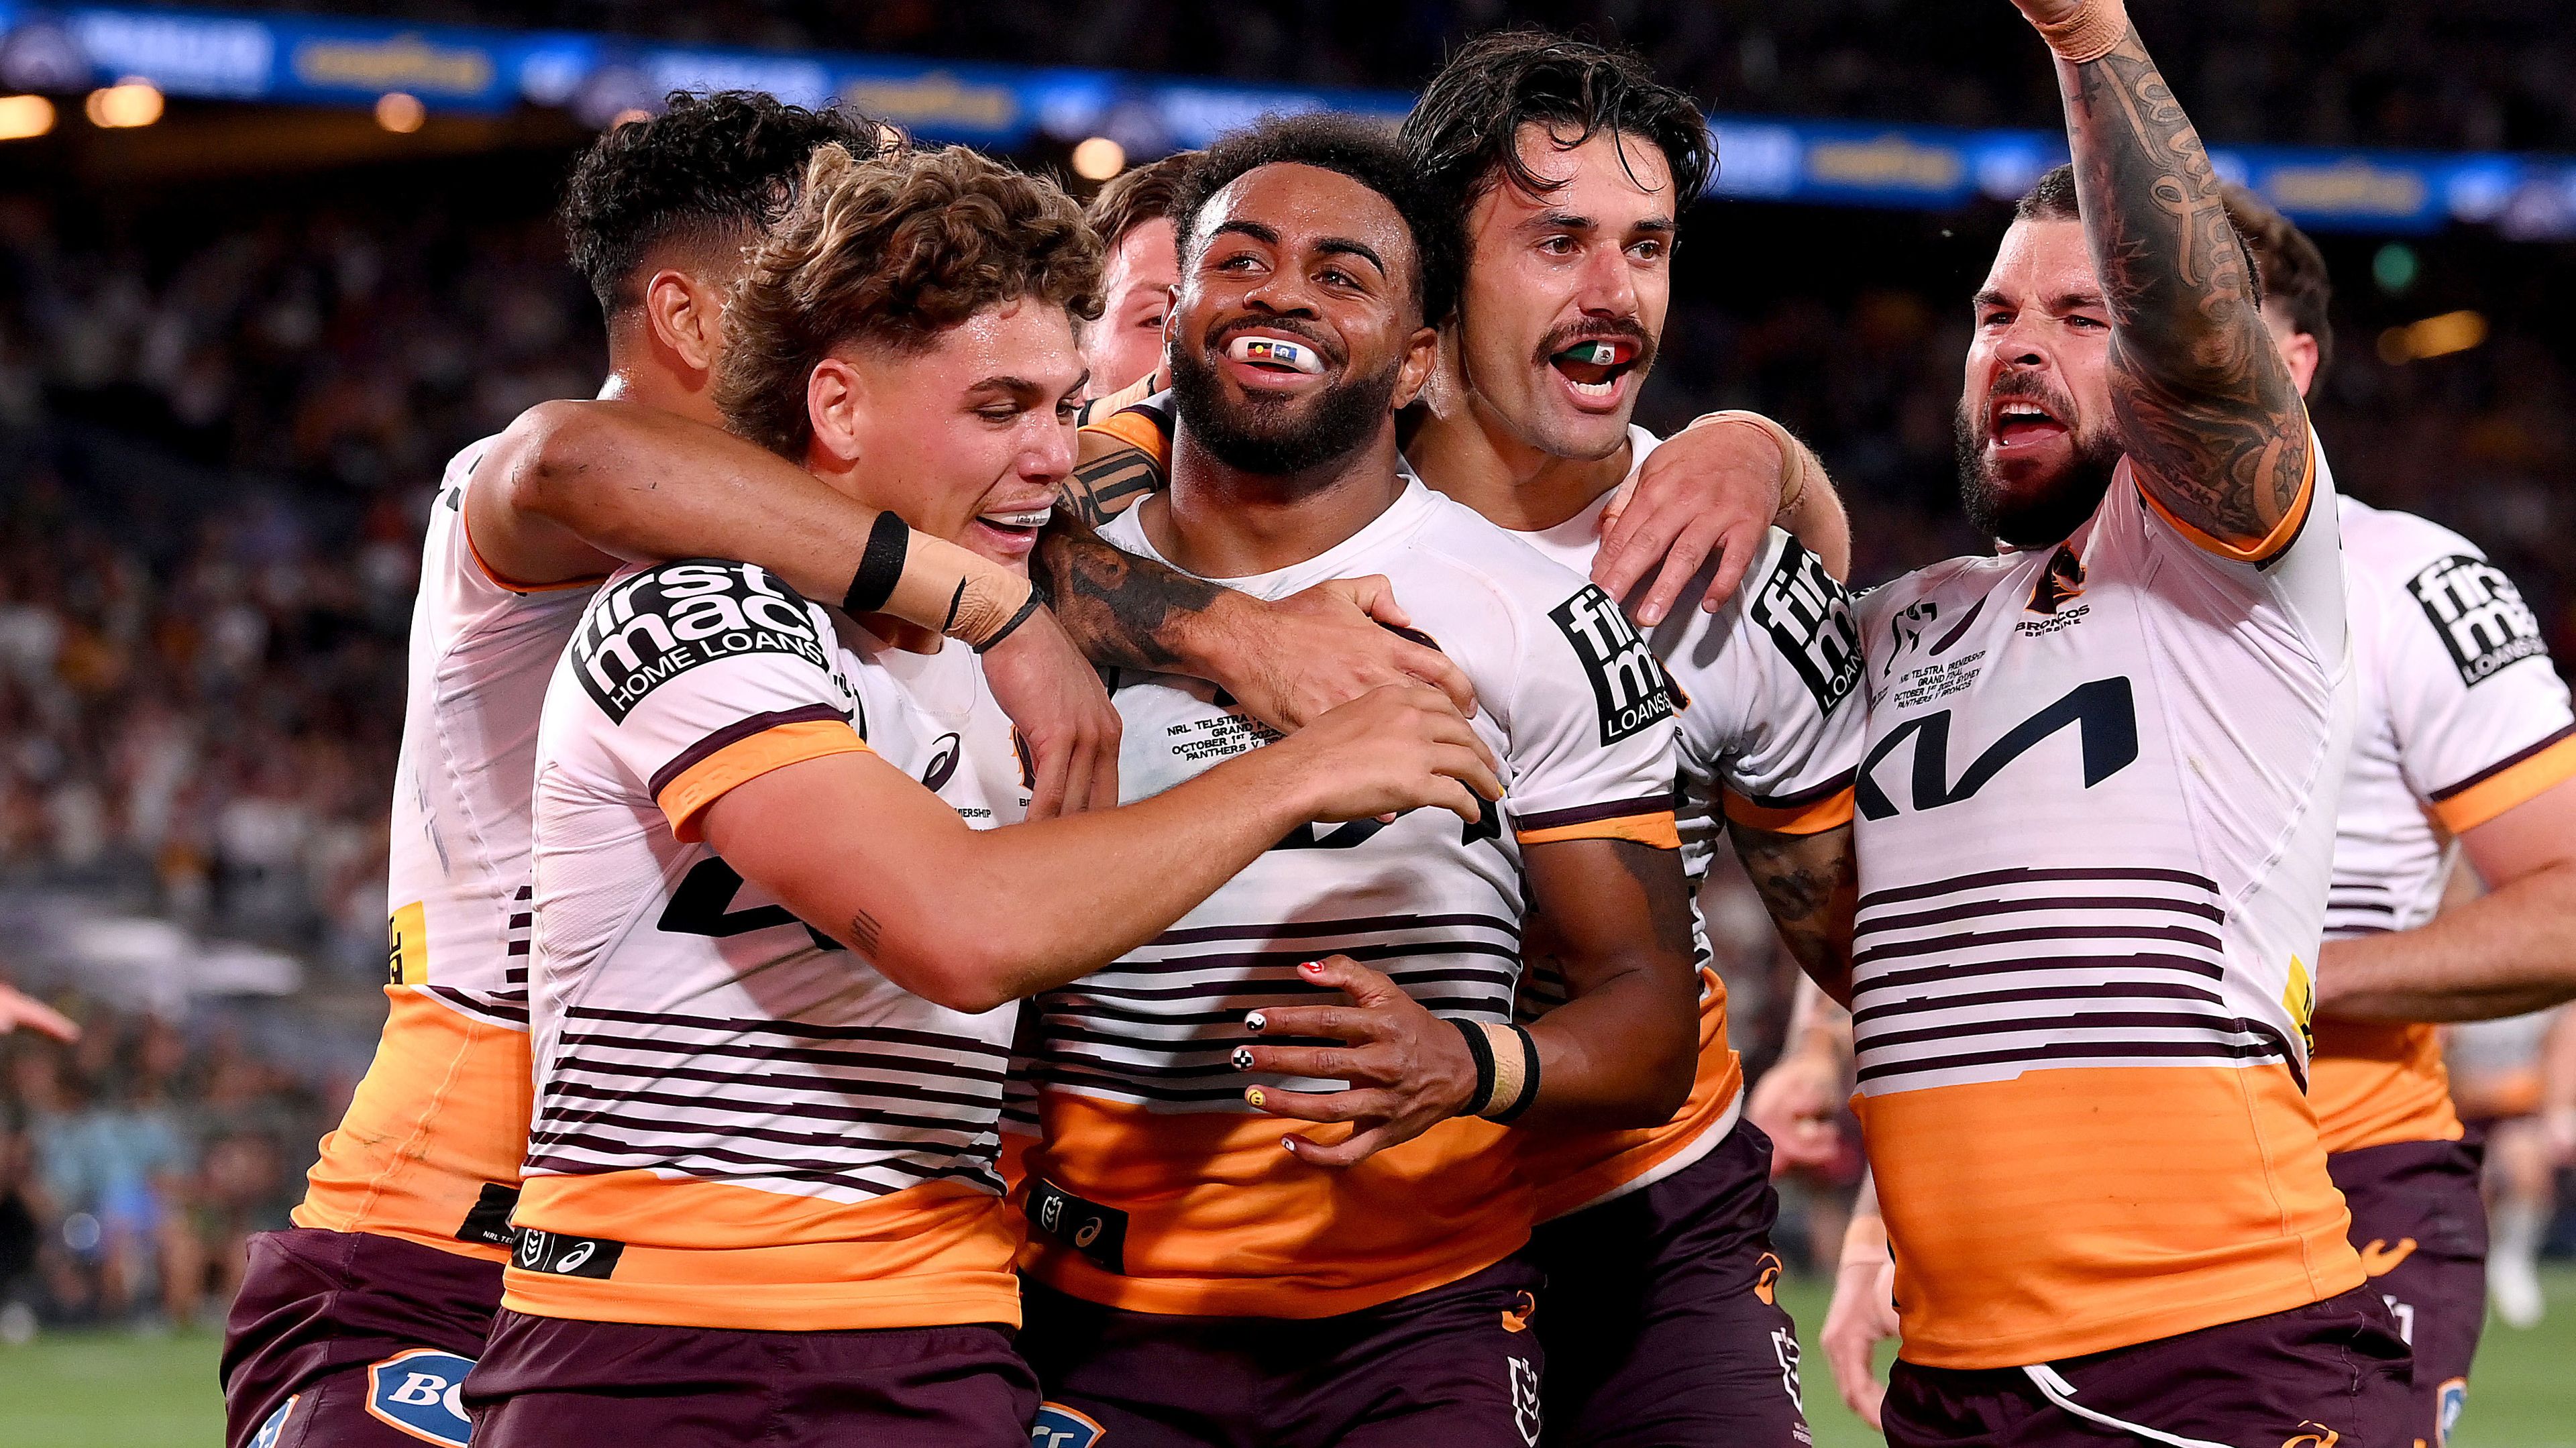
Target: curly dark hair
1465,131
1364,151
891,251
716,167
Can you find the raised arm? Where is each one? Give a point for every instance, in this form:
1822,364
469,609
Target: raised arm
1716,487
974,919
573,488
2206,410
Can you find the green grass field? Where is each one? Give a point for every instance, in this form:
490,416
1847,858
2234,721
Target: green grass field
98,1390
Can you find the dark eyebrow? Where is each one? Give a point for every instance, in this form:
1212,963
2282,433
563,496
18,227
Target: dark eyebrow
1344,246
1017,387
1988,297
1254,229
2077,302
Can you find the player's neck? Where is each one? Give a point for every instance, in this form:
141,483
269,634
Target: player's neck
1465,449
644,375
1218,521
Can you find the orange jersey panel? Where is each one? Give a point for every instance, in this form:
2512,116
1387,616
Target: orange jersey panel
2073,1211
1223,1222
708,1254
2375,1083
1568,1169
442,1110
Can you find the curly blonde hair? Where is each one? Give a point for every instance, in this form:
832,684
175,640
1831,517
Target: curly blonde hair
890,251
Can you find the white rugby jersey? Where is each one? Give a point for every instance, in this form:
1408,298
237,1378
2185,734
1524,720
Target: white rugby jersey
1190,1203
1765,741
2461,717
725,1099
429,1149
2094,823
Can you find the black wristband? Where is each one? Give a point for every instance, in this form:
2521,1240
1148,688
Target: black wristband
880,566
1037,600
1529,1078
1482,1051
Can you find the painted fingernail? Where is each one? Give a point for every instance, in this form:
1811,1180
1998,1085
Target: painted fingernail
1288,1144
1243,1058
1253,1095
1312,966
1256,1023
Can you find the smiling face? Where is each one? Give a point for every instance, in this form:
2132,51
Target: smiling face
1298,332
1127,341
1567,289
967,439
2036,447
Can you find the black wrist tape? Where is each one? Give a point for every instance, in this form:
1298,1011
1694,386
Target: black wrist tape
1482,1051
1529,1078
880,566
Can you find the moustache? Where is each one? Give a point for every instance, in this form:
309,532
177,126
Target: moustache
1599,329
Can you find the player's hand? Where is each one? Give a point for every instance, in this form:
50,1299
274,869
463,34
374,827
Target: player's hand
1796,1103
1862,1316
1409,1069
1054,698
17,1008
1290,662
1707,490
1392,749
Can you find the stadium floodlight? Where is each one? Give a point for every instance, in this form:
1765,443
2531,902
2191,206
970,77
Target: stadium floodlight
400,113
128,103
24,116
1098,159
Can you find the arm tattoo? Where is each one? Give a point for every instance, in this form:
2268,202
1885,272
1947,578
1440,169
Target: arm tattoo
2206,409
865,932
1809,885
1121,611
1107,486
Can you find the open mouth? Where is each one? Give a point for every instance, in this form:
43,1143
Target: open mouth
1594,368
2020,422
1274,360
1014,532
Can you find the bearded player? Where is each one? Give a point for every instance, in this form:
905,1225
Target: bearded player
2095,825
1227,1248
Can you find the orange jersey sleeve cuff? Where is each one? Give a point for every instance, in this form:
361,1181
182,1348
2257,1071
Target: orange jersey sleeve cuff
1644,821
1133,428
2490,792
2262,551
465,525
740,753
1811,812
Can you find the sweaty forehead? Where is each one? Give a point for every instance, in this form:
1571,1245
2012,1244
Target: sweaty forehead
1303,204
2042,260
1607,166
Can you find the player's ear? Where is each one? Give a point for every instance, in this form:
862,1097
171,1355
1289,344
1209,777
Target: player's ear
1421,356
835,404
685,318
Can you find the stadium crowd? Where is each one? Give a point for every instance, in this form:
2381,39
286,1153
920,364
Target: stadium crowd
2484,75
215,456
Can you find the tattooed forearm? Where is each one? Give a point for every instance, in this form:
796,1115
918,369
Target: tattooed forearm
1809,885
1107,486
865,932
2207,411
1121,611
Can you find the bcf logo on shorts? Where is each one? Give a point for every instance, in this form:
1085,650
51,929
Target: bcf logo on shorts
421,1392
1058,1426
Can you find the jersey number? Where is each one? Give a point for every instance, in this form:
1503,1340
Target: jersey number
703,905
2103,712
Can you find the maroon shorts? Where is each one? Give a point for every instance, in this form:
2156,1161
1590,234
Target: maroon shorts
2333,1374
1661,1323
547,1382
1451,1367
348,1338
2421,1228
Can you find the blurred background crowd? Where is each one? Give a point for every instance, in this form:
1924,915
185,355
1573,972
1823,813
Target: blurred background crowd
223,408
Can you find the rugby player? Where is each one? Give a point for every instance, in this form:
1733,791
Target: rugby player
773,963
2464,732
1570,165
1133,215
1199,1276
2095,824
